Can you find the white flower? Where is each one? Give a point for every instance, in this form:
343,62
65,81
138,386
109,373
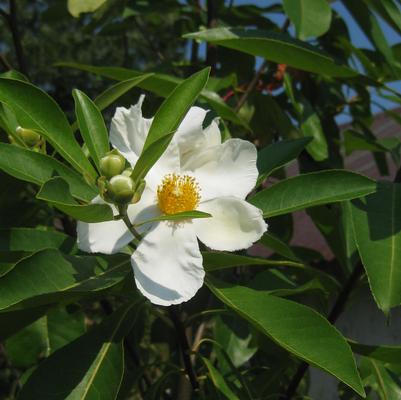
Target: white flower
196,171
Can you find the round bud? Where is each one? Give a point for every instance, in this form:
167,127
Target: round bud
121,189
112,164
30,137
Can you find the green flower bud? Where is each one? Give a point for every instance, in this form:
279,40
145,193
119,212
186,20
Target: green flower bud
112,164
127,172
30,137
120,189
138,192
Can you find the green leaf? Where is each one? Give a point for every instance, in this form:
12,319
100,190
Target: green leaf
167,119
36,110
150,156
215,261
77,7
309,121
376,220
177,217
387,354
295,327
278,154
160,84
56,192
13,321
370,26
93,364
111,94
310,17
44,336
388,383
92,127
38,168
49,276
31,240
13,74
219,381
278,246
308,190
276,47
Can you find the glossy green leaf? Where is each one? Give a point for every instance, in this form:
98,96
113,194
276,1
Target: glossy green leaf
177,217
38,168
386,354
31,240
167,119
160,84
93,364
308,190
214,261
388,383
47,334
295,327
36,110
56,192
150,156
278,246
276,47
114,92
310,17
219,381
278,155
377,225
370,26
49,276
13,321
91,126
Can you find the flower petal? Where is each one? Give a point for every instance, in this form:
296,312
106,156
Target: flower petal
168,264
190,130
234,225
111,236
128,130
228,169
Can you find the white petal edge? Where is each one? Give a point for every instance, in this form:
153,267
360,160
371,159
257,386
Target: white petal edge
234,225
228,169
129,129
111,236
168,264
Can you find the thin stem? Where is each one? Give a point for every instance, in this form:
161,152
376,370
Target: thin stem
335,312
124,216
252,85
184,346
211,52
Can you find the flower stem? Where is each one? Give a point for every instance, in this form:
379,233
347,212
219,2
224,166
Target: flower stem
124,216
184,346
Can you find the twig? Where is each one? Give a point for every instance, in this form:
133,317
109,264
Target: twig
211,53
184,346
252,85
4,62
250,88
14,28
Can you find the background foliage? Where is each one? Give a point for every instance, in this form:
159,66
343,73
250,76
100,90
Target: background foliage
285,76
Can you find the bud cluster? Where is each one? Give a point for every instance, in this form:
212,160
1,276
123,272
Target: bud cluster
116,185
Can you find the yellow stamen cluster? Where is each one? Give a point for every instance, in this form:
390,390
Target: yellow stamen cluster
178,193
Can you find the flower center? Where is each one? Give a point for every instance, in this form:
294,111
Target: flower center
178,193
